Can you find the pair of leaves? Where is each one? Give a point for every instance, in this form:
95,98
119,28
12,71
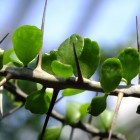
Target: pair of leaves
113,69
62,61
38,102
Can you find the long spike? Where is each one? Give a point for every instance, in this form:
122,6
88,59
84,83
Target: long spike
80,78
39,61
1,101
138,41
119,99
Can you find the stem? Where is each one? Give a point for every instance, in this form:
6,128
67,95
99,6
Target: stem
54,97
39,61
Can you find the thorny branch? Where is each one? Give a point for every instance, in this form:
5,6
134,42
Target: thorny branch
52,81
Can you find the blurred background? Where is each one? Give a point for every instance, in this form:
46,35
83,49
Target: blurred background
112,23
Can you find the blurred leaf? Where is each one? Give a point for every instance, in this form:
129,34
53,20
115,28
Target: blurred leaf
47,60
89,58
71,91
72,112
111,74
83,109
98,105
106,118
62,70
27,42
52,133
38,102
130,61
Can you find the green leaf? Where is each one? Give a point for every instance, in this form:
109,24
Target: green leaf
15,59
71,91
130,61
111,74
65,50
72,112
47,60
83,110
27,42
89,58
98,105
62,70
106,118
6,57
52,133
38,102
1,58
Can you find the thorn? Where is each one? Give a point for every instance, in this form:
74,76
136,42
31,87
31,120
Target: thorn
1,101
119,99
138,38
80,78
39,61
4,38
138,41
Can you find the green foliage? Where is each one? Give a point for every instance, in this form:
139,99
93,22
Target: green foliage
71,91
47,60
6,57
98,105
130,61
89,58
83,109
62,70
1,57
38,102
52,133
106,118
73,114
65,50
27,42
111,72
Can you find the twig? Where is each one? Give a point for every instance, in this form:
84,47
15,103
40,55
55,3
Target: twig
54,97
